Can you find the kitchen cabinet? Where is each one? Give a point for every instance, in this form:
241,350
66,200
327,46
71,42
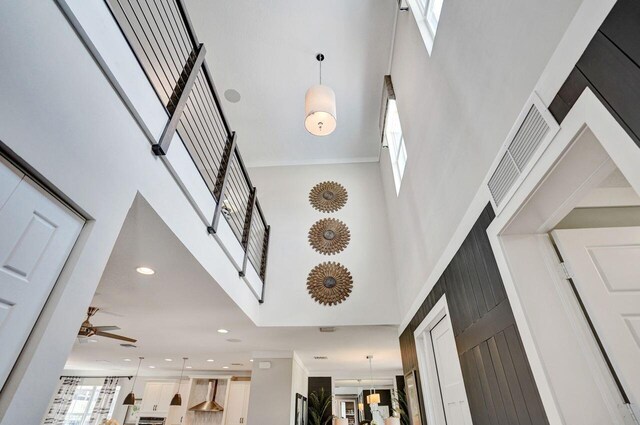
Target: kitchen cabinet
156,398
238,402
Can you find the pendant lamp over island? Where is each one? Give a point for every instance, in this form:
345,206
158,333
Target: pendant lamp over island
320,107
130,399
373,397
177,398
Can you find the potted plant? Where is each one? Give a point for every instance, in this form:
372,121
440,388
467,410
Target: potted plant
319,402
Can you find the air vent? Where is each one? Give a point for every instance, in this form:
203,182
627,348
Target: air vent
321,357
327,329
237,364
534,126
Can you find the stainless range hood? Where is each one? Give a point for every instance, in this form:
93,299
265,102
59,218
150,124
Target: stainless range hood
209,405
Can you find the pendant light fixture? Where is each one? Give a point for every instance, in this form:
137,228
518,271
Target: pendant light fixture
320,107
130,399
177,399
373,397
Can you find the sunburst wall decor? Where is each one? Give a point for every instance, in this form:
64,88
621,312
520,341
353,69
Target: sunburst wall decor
329,236
328,196
329,283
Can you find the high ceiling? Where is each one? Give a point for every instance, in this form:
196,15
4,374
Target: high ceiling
177,312
265,50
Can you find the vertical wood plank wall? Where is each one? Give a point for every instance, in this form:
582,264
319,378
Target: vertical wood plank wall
496,372
610,67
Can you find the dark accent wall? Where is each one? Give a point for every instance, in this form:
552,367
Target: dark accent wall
385,400
316,383
495,369
610,67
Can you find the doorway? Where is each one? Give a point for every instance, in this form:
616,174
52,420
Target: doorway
37,233
443,385
569,263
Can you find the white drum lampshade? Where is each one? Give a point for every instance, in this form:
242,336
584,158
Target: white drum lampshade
373,398
341,421
392,421
320,108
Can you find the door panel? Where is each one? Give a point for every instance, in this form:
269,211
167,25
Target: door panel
454,397
36,236
605,264
238,402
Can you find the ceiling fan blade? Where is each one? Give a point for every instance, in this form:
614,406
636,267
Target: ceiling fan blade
82,339
114,336
106,328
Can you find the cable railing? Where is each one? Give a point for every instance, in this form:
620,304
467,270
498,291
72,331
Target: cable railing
162,38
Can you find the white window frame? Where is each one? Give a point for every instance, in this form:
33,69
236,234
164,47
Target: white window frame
92,402
397,148
426,19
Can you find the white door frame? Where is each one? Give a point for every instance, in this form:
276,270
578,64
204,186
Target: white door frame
427,362
573,384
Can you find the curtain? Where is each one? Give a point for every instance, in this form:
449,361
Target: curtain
104,401
62,401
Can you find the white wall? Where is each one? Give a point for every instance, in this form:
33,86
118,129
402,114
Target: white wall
456,108
299,384
284,196
270,397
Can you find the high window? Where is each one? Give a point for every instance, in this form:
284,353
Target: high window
427,14
82,404
395,142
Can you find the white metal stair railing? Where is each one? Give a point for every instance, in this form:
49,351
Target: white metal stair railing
154,42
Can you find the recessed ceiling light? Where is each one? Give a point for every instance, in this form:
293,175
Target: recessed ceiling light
127,360
189,367
168,360
223,331
209,360
225,367
251,360
152,367
93,340
145,270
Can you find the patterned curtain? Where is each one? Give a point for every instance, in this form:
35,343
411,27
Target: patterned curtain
104,401
62,401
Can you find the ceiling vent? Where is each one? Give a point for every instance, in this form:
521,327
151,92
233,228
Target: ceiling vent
327,329
534,129
321,357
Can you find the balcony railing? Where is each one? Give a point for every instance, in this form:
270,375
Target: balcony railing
162,38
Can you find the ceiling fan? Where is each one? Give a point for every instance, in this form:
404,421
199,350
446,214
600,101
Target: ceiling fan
87,330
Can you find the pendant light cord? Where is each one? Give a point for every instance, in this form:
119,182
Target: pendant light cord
320,72
135,378
371,375
184,360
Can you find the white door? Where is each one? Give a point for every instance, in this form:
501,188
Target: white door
36,236
605,265
454,397
238,403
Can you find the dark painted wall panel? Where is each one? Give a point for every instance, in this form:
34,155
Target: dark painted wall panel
497,376
610,67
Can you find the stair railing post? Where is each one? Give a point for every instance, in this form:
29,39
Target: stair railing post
222,181
179,97
247,230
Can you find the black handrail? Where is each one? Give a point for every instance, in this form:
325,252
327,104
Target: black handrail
167,48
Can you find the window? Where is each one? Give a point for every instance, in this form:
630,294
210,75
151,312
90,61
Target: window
395,142
84,399
427,14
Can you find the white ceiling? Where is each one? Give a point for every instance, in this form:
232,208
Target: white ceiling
177,312
266,51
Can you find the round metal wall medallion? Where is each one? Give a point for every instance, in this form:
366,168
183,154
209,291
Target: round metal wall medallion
328,196
329,283
329,236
